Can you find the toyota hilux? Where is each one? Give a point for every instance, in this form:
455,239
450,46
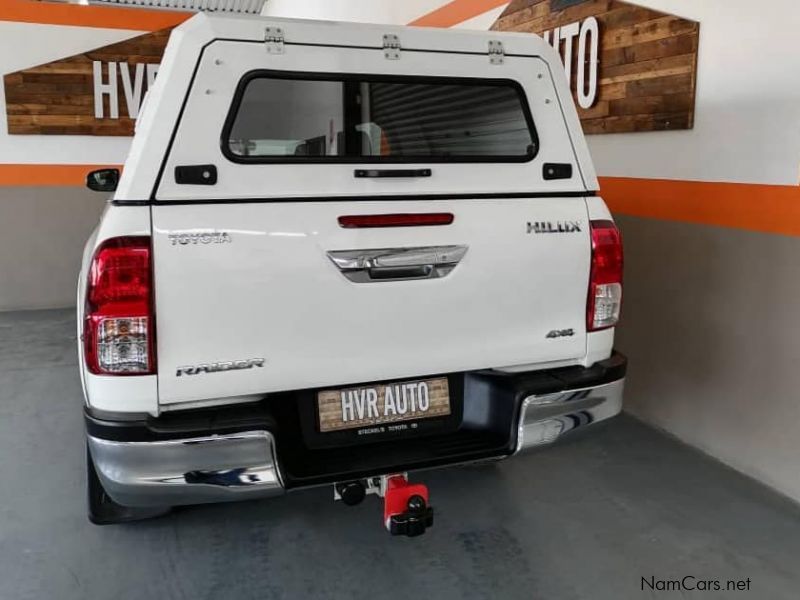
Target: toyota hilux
338,254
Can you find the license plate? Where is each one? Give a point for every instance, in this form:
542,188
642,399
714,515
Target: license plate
382,406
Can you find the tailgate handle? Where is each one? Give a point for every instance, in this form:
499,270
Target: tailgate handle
397,264
419,272
372,173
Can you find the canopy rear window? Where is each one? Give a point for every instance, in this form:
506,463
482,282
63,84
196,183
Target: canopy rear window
280,117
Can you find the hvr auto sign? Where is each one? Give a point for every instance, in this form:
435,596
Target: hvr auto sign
587,35
132,87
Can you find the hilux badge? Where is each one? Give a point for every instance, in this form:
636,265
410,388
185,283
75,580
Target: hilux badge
551,227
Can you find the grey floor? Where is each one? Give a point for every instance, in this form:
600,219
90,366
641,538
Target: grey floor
586,519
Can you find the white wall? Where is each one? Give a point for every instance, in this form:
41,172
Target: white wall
42,233
747,124
483,21
710,314
43,228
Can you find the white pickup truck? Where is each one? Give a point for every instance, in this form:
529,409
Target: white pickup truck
339,253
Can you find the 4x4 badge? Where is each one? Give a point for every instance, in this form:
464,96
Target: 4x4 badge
557,333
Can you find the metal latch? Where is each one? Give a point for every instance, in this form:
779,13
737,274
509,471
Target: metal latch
496,53
273,39
391,46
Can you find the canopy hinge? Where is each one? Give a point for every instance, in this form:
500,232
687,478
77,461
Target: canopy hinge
391,46
273,40
496,53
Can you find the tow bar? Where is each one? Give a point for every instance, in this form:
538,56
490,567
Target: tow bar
405,505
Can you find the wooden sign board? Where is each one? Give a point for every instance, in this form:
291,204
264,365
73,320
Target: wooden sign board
631,68
95,93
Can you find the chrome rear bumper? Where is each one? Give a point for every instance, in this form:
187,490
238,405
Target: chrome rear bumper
188,471
545,418
199,467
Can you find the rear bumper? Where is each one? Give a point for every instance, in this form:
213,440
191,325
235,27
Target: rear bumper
251,452
215,468
546,417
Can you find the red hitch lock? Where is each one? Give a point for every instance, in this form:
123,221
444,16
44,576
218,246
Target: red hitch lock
405,507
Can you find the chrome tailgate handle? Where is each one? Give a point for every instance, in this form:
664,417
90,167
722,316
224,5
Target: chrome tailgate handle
397,264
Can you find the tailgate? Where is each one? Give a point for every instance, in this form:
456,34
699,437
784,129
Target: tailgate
254,291
256,281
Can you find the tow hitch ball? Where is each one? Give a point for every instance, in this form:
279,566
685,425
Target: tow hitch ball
406,510
405,507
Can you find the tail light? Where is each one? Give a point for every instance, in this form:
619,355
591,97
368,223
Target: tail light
605,282
119,328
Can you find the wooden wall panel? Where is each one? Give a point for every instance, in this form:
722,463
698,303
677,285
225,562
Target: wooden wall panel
647,69
58,98
647,61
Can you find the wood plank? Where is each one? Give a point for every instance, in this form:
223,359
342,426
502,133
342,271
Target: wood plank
623,15
676,84
669,103
600,109
67,124
57,78
517,5
55,120
69,68
656,29
647,63
520,17
52,99
35,89
649,69
666,72
49,109
12,79
672,46
124,58
578,12
534,26
612,91
539,23
630,124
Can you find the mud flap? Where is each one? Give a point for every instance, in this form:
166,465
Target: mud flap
102,510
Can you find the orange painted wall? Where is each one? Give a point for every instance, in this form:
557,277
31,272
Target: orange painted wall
105,17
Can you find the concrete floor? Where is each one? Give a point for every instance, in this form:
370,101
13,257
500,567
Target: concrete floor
586,519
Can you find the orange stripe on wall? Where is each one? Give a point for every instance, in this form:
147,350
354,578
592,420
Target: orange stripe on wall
755,207
47,175
456,12
107,17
